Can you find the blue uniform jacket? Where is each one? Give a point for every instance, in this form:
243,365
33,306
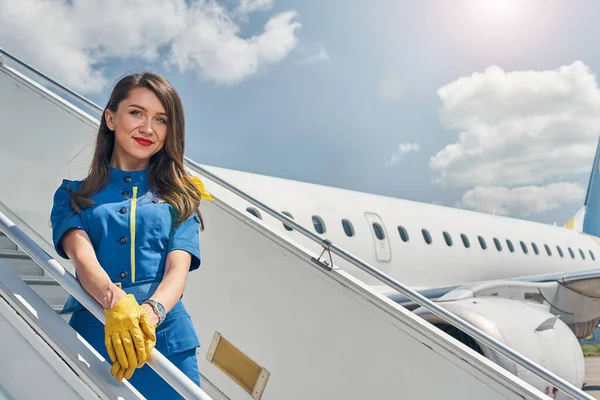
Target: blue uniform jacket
131,231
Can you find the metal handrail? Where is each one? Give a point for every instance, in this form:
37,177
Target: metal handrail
169,372
46,77
424,302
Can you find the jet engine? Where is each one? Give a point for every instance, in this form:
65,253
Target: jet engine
528,328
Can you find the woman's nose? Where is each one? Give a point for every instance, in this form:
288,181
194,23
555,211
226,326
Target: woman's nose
146,125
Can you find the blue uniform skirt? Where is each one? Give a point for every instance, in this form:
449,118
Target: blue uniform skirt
145,380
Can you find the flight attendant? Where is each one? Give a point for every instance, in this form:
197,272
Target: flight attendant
130,229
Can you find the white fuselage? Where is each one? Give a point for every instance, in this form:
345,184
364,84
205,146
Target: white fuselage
415,262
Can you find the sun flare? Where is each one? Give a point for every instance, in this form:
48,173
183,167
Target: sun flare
497,9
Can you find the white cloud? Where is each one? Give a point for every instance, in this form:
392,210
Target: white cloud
248,6
402,149
71,42
522,200
211,46
519,128
321,55
391,88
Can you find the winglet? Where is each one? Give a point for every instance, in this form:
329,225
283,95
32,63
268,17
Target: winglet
576,222
547,324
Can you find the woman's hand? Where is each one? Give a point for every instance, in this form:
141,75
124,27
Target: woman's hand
124,337
145,333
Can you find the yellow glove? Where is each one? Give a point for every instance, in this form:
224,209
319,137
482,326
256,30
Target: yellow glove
149,330
123,335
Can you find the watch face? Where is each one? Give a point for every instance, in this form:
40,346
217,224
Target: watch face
160,309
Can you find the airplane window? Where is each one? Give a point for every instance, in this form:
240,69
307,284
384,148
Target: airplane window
548,250
581,254
498,245
592,255
482,242
560,252
287,227
348,228
571,252
426,236
403,233
448,239
535,248
318,224
254,212
510,246
378,231
465,240
524,247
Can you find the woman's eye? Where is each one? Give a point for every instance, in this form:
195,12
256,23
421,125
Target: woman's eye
162,120
135,112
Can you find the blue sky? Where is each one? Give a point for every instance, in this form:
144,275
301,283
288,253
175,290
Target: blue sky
486,104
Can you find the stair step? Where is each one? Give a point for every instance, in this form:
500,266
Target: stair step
13,253
32,274
48,289
58,308
6,243
21,263
39,280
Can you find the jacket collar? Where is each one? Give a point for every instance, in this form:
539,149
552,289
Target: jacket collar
128,178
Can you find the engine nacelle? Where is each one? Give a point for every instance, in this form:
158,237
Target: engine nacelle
528,328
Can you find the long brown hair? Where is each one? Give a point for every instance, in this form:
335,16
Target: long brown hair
166,175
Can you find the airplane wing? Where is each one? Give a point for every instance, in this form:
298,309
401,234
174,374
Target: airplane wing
574,296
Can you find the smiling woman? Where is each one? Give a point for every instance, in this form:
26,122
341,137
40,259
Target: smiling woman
130,229
139,130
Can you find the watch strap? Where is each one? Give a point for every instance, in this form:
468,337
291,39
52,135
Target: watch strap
158,308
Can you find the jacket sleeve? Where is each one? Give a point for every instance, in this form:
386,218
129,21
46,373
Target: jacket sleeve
63,217
186,237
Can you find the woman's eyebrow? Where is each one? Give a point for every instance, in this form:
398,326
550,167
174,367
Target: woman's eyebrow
144,109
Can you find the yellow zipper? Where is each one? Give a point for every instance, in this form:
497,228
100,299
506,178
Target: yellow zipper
132,227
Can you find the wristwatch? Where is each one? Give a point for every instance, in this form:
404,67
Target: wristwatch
159,309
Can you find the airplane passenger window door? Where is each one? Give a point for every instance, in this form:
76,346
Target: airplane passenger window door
383,251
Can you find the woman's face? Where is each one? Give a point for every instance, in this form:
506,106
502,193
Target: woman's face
140,126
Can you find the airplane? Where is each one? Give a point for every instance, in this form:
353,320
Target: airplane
511,269
424,246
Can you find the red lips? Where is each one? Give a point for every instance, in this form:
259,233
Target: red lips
143,142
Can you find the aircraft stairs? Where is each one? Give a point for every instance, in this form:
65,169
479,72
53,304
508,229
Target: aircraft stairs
32,274
274,320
